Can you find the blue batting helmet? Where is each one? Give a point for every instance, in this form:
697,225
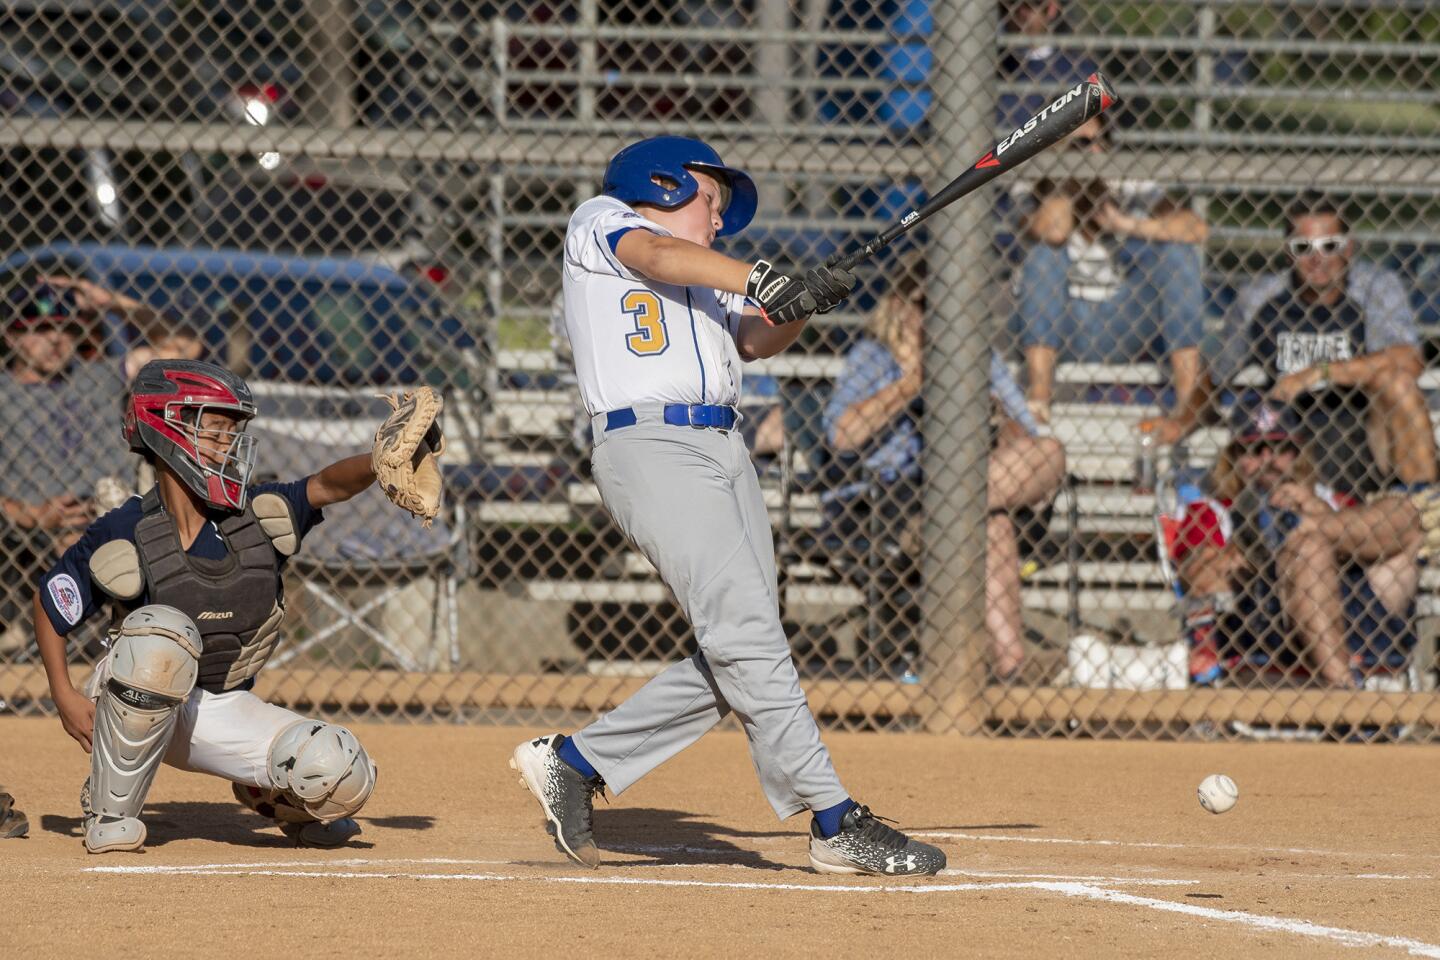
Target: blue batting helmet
631,177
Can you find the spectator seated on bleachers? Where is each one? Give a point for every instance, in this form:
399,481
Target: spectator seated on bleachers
1287,576
871,422
1112,275
154,334
1337,340
1047,66
53,456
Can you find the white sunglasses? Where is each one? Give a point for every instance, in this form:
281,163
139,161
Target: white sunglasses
1325,246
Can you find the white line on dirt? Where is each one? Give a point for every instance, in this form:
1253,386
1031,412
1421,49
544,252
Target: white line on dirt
1107,881
672,848
1149,845
287,868
1302,928
187,868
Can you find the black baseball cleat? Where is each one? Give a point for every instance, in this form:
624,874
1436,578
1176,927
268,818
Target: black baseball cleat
566,796
865,845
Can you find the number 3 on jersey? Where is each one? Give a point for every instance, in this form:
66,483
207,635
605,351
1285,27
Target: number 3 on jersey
650,337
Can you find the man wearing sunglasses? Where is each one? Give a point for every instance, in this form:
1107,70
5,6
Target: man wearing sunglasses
1337,341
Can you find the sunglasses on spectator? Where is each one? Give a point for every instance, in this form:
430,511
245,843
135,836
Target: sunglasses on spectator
1085,141
1325,246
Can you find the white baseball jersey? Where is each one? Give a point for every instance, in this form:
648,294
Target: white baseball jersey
636,340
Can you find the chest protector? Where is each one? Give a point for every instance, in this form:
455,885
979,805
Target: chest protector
236,602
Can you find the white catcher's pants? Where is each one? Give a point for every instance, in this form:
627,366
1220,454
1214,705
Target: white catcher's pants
224,734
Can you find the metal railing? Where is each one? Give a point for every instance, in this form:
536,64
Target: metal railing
471,141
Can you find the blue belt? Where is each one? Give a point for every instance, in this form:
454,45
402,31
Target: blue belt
679,415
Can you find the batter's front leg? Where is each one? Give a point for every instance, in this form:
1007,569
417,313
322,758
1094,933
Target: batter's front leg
664,717
692,504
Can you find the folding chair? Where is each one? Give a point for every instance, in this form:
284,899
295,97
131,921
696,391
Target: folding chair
336,564
368,547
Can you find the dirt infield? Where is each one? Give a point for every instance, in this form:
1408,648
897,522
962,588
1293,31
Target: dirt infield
1056,849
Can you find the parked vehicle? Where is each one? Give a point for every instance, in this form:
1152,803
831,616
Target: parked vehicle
302,320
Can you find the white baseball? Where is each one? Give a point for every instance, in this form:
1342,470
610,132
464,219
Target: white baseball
1217,793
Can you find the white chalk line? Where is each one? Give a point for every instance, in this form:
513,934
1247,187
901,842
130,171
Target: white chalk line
1303,928
1069,888
1113,881
1106,881
1150,845
350,862
288,868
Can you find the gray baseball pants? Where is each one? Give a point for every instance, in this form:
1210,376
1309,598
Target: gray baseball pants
690,501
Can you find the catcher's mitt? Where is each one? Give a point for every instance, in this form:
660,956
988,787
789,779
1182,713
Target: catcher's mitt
407,447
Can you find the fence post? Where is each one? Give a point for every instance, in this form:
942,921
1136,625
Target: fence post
956,389
334,28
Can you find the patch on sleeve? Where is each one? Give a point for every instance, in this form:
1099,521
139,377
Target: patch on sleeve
65,594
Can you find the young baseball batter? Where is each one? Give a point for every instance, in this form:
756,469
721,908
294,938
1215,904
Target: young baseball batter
659,324
191,572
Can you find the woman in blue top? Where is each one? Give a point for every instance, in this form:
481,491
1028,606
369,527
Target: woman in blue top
873,419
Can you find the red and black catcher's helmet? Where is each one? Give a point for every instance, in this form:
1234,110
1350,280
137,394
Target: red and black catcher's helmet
167,401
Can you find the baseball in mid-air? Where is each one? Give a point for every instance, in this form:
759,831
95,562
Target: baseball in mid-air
1217,793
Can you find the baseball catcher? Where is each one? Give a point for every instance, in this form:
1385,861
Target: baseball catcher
191,573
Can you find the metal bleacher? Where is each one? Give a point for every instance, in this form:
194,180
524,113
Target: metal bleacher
1194,74
1099,440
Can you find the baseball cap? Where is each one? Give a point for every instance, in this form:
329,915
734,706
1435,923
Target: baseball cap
40,305
1254,419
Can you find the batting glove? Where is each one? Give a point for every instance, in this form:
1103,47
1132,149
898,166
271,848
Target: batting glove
829,286
781,298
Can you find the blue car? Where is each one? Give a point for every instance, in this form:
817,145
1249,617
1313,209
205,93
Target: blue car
302,320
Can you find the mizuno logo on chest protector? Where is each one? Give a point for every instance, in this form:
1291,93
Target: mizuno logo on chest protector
216,615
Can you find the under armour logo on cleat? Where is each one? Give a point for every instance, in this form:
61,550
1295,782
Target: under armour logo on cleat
899,865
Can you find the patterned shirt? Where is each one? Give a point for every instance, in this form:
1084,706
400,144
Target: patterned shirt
1262,327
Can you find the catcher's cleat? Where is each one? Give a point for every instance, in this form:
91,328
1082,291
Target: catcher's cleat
321,836
13,824
566,796
865,845
293,821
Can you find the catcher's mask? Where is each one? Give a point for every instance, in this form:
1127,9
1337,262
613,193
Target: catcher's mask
168,402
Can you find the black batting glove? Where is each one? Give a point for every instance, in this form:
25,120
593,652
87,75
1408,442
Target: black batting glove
829,286
780,297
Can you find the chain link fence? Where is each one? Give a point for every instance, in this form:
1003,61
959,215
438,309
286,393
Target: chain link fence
341,197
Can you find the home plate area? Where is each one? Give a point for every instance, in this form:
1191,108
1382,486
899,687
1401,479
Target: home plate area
1076,849
1183,900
